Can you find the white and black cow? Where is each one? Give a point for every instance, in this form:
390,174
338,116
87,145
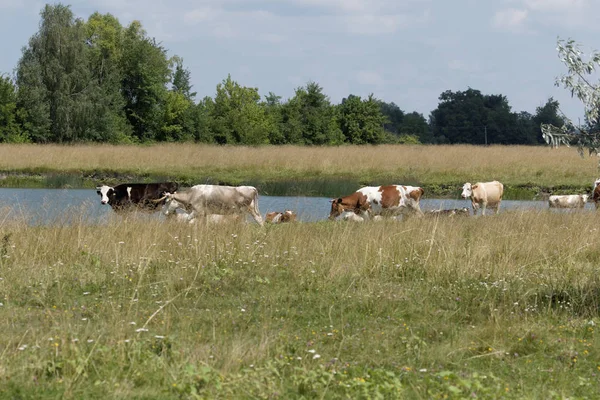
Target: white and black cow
132,196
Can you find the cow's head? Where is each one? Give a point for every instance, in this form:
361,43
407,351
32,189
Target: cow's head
585,197
337,208
467,190
596,183
106,193
171,205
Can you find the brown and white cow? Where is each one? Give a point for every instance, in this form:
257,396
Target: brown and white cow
568,201
278,217
132,196
596,193
484,195
202,200
387,200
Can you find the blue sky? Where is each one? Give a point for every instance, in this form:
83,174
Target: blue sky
405,51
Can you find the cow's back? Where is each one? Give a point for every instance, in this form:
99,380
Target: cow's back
491,192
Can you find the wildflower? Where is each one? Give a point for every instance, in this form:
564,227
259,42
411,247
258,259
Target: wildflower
90,340
23,347
132,323
159,337
423,370
86,293
316,356
141,330
243,310
312,351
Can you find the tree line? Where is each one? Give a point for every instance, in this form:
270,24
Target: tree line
100,81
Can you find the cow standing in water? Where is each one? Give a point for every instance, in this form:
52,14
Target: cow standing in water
390,200
568,201
484,195
135,196
201,200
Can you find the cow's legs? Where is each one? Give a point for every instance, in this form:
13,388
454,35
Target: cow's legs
475,208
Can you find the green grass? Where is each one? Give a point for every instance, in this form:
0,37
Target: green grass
501,306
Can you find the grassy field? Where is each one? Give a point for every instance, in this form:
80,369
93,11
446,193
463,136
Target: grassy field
504,306
301,170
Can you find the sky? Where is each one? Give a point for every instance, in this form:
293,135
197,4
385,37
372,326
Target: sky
402,51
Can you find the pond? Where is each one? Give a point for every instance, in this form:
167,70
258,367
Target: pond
44,206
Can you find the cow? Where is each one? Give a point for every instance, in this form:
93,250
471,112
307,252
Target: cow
387,200
132,196
596,193
202,200
464,212
278,217
568,201
484,194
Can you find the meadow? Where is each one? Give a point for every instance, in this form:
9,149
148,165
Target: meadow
324,171
503,306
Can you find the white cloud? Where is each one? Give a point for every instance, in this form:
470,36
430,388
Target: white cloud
198,15
510,19
555,5
463,66
369,78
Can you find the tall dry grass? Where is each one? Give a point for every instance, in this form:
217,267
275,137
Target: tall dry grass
429,164
147,308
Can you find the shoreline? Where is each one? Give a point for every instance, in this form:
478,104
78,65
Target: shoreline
311,187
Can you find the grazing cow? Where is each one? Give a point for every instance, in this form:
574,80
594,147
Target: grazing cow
449,213
130,196
484,194
596,193
202,200
278,217
388,200
568,201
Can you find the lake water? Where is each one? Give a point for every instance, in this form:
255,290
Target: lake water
42,206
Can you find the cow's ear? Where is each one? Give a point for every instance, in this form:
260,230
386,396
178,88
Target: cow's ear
474,186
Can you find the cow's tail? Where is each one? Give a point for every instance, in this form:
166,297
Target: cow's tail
257,215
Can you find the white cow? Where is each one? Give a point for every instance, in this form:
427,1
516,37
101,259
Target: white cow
484,194
202,200
568,201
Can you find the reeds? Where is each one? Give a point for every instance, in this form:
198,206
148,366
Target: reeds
387,164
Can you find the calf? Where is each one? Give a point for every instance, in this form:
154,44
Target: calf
455,211
483,195
130,196
568,201
278,217
388,200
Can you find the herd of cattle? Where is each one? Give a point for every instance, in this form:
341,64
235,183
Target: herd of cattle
216,203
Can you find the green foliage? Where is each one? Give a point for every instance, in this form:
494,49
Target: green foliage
10,129
145,74
100,81
361,121
309,118
237,116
